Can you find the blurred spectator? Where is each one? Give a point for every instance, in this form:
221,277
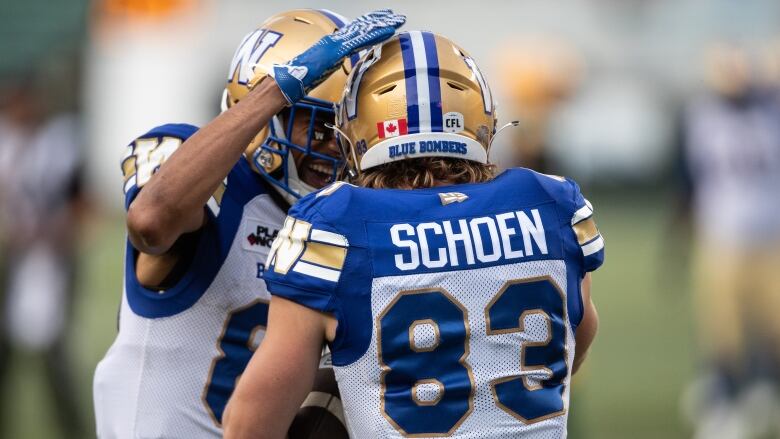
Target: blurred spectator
732,158
40,200
539,74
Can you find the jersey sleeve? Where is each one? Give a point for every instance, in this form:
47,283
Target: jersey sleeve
588,236
306,259
144,155
578,213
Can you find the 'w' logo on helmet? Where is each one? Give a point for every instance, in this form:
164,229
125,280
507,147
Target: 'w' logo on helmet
249,53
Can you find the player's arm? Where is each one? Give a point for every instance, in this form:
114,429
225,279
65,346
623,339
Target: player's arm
172,202
586,331
588,252
280,374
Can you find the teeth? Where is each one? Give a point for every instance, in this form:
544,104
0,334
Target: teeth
320,168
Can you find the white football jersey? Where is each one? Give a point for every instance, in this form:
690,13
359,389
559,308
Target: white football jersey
489,357
179,352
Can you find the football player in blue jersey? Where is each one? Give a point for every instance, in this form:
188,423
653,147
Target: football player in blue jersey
203,208
455,303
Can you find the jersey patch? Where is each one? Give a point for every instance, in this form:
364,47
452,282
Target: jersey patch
311,252
452,197
258,235
588,237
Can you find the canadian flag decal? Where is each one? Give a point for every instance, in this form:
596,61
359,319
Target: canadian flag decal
391,128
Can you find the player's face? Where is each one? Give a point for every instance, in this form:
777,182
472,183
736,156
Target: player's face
313,171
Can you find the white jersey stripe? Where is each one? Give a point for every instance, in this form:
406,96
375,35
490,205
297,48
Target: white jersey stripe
583,213
328,237
130,183
317,271
213,206
593,247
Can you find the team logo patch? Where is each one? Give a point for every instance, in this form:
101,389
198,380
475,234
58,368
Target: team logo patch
258,235
453,122
452,197
391,128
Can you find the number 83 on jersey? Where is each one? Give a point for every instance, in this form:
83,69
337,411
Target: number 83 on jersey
424,340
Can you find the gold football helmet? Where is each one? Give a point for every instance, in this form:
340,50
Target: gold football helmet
279,39
417,95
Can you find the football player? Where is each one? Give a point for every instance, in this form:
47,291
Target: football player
203,207
455,304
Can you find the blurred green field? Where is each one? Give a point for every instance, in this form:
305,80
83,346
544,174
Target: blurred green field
629,388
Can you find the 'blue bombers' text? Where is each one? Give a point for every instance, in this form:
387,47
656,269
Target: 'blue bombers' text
427,146
486,239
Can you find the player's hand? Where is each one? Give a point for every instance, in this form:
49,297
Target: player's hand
313,66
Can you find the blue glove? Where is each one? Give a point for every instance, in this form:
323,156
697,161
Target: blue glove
307,70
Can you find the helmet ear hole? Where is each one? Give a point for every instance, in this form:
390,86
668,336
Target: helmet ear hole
456,86
385,90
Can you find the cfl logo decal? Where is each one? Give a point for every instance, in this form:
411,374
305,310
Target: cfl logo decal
249,52
453,122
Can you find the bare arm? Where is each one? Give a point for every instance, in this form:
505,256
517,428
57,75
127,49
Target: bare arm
171,203
588,327
280,374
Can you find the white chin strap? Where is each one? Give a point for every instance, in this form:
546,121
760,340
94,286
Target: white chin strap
293,181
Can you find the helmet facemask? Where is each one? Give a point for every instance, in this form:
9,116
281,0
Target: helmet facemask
301,167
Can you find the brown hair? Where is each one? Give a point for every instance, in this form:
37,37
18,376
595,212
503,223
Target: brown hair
425,172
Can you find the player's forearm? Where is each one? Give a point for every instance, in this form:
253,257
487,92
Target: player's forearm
172,202
586,333
588,327
263,406
279,375
239,422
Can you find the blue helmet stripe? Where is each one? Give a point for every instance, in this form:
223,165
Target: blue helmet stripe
410,73
354,58
338,20
434,82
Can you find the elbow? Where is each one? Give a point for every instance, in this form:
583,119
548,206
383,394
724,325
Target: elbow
147,231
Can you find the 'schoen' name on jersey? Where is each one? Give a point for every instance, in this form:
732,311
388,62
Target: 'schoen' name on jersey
484,239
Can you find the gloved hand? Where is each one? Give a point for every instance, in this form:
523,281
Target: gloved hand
307,70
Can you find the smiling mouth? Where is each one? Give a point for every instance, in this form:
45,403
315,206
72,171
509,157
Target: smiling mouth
321,169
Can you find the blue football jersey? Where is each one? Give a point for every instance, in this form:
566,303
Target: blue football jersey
179,351
456,306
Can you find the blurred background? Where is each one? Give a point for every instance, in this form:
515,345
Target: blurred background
667,113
